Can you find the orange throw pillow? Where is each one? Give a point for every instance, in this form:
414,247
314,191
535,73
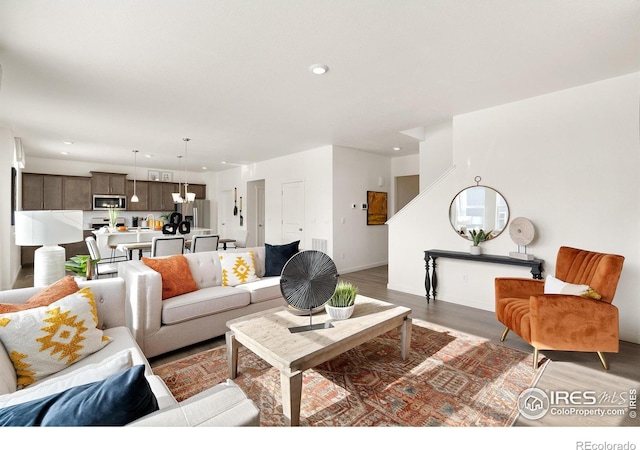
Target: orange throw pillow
175,273
58,290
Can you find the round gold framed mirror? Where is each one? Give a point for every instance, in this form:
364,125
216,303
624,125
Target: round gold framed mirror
480,208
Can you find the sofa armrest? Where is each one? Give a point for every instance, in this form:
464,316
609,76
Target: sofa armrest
143,299
571,322
220,406
506,287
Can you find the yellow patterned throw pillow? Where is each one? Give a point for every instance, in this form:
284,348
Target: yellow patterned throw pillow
237,268
45,340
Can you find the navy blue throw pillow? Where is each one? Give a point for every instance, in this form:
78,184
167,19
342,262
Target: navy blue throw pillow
276,256
114,401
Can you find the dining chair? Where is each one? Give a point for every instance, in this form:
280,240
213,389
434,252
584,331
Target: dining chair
204,243
102,267
166,246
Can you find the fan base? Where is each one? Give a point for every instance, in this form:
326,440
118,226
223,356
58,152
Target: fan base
524,256
315,326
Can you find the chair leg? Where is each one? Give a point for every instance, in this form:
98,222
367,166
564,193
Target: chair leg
535,358
504,334
603,361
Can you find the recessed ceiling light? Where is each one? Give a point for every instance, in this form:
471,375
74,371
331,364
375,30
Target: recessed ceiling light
204,167
397,149
148,156
64,153
68,142
319,69
223,162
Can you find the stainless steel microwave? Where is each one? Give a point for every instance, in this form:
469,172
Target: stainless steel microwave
106,202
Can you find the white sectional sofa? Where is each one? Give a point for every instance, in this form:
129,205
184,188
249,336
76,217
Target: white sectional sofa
222,405
160,326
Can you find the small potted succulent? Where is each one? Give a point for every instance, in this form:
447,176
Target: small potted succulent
478,236
342,303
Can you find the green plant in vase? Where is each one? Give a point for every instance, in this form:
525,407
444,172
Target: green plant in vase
342,303
80,265
478,236
113,217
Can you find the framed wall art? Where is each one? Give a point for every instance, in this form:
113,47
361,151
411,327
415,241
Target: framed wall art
376,208
166,176
154,175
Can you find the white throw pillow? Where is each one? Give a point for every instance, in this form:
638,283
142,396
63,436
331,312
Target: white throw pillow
83,375
45,340
553,285
238,268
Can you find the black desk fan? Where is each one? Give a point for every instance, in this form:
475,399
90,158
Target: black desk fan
308,281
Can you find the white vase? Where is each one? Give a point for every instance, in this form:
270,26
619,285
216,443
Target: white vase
339,313
475,250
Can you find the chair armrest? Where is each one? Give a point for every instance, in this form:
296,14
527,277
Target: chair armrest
517,287
571,322
144,299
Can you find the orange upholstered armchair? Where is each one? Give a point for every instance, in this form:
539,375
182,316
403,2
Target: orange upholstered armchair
567,322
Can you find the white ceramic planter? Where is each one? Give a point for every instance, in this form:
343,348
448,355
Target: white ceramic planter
475,250
339,313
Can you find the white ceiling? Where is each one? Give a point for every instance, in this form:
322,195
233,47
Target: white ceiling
114,75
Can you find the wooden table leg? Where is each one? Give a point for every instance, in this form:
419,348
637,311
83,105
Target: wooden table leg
291,386
232,354
405,337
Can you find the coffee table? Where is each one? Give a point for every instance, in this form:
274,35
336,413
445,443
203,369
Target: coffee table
267,335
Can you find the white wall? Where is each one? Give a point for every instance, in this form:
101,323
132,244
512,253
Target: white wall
568,161
435,152
313,167
9,253
356,245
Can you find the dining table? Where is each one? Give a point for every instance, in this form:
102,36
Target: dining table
225,241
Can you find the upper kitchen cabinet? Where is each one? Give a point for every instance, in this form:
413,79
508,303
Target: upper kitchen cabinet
108,183
76,193
200,190
142,191
160,198
41,191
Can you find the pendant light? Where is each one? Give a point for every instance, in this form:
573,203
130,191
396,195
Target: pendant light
177,197
134,197
188,196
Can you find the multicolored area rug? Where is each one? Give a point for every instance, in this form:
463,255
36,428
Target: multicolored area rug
449,379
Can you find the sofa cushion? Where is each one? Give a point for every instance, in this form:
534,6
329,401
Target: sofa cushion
60,289
118,400
237,268
204,302
276,256
175,274
263,289
44,340
82,375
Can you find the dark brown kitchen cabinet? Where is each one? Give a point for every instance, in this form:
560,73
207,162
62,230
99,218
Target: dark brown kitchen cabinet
41,191
160,198
108,183
200,190
142,191
76,193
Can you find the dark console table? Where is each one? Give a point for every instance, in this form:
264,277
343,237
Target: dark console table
431,282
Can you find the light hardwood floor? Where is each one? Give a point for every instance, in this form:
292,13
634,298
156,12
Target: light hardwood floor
568,371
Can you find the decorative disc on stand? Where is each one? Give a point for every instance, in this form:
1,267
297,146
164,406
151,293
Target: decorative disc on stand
522,233
308,281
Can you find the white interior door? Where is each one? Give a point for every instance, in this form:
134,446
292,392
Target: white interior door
293,211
